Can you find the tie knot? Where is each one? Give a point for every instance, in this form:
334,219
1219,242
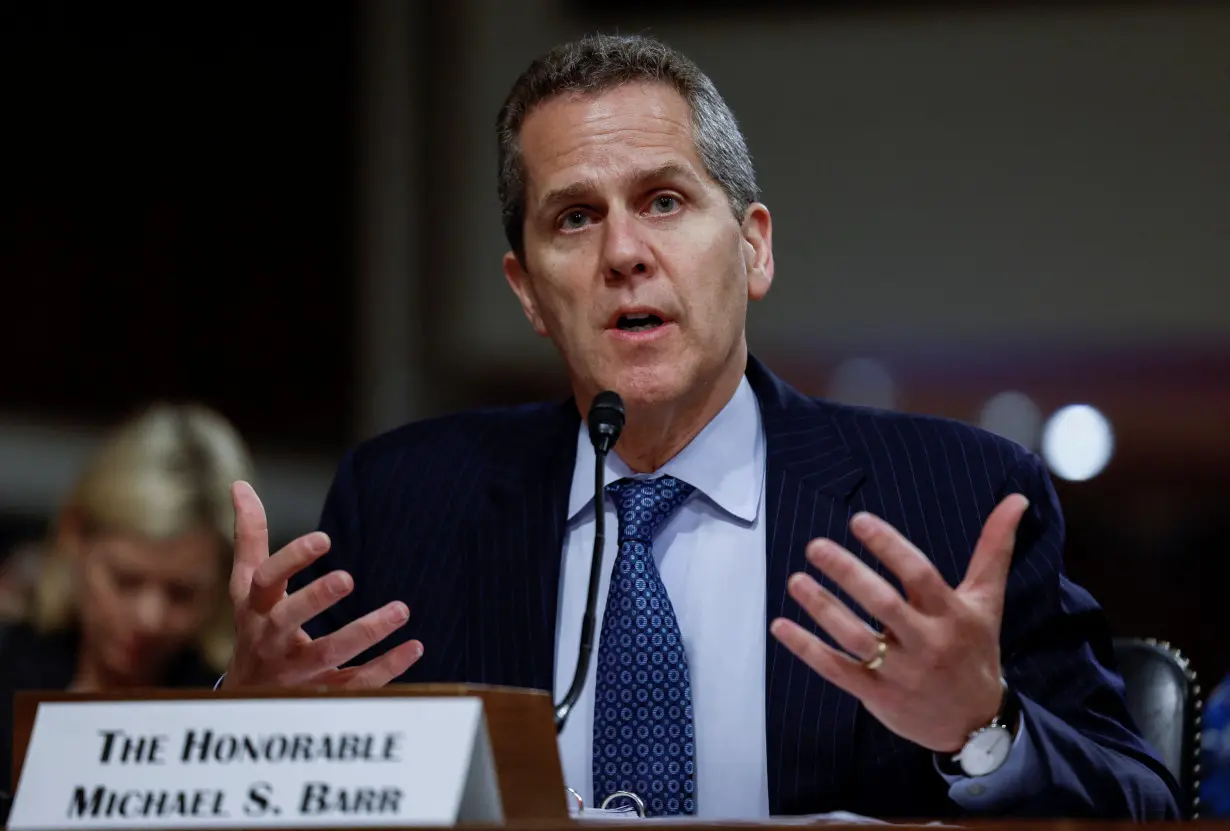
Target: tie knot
644,504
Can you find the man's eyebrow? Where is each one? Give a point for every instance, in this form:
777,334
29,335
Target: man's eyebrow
579,190
568,193
670,170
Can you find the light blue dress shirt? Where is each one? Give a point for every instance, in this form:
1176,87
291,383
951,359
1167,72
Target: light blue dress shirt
711,555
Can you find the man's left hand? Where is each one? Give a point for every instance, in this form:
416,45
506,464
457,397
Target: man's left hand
939,677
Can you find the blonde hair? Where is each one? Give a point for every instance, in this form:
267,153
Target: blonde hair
164,473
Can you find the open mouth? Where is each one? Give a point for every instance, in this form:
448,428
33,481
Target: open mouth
638,322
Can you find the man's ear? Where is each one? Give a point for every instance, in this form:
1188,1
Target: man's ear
757,233
519,281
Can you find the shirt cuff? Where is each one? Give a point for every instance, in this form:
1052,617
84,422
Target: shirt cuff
1015,778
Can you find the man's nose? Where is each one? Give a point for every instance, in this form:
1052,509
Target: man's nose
626,253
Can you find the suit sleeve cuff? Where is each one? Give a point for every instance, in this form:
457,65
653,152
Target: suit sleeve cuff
1016,778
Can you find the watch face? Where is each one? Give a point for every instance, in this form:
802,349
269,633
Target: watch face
986,751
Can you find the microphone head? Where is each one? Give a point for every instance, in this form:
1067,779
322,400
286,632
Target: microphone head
605,420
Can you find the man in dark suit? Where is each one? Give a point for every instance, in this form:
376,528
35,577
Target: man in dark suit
934,660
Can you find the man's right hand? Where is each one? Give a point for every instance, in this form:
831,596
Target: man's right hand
271,648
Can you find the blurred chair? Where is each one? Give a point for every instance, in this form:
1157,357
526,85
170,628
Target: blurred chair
1164,700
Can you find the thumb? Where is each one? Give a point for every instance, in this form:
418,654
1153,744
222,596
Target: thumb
992,560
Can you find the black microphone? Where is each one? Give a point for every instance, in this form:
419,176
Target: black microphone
606,421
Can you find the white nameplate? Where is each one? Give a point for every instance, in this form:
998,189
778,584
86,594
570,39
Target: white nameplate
257,762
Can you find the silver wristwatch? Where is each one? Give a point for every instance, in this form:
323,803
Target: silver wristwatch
987,748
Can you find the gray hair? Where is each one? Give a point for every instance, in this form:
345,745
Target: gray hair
598,63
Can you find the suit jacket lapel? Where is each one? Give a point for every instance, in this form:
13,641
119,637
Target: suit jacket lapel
810,474
514,586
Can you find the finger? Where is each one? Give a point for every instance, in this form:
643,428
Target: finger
842,670
337,648
923,583
270,577
868,589
251,539
850,633
296,609
334,677
992,560
380,671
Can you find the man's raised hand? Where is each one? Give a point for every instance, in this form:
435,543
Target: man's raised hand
934,675
271,648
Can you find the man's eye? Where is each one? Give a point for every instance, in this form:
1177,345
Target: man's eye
665,203
573,220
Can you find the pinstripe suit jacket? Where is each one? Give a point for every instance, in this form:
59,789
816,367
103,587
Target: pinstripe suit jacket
463,518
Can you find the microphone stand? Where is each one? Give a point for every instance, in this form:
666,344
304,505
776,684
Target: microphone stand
606,422
564,708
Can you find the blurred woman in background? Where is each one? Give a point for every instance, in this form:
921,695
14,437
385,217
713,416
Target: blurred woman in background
132,590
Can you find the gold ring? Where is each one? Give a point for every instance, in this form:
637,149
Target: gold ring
881,650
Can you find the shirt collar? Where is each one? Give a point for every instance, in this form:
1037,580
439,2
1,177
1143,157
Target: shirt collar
725,462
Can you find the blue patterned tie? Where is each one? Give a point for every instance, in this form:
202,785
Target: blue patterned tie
643,699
